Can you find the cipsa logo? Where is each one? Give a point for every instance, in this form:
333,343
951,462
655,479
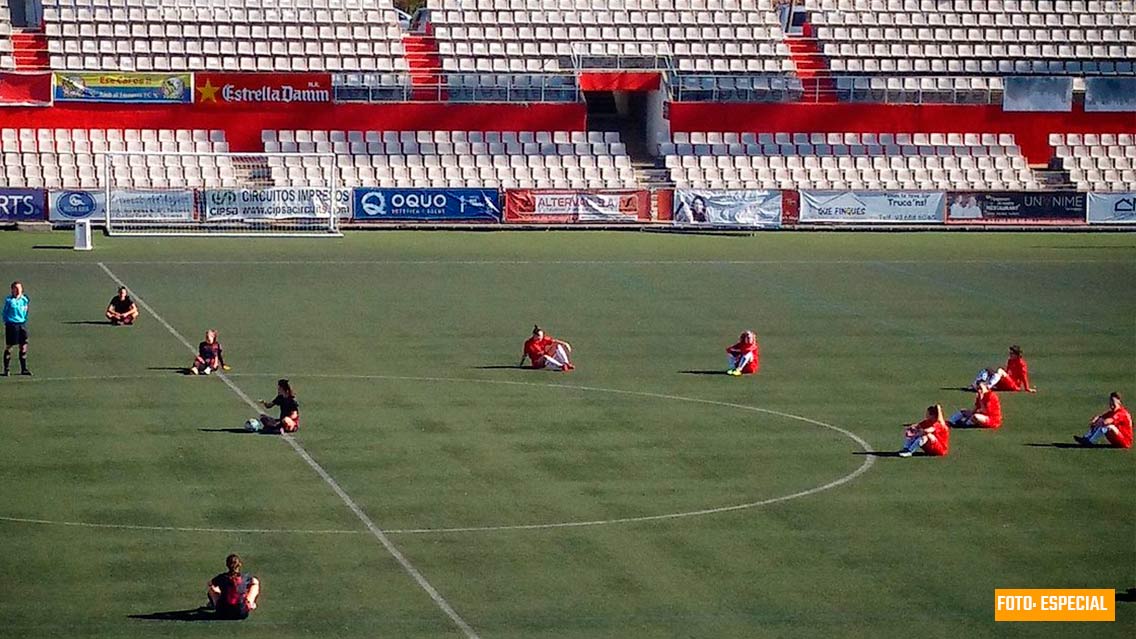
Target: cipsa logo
76,204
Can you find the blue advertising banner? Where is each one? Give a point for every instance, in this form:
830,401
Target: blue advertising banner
68,206
23,205
123,86
427,204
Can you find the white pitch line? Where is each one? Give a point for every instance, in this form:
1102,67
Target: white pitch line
840,481
562,262
869,460
375,531
190,529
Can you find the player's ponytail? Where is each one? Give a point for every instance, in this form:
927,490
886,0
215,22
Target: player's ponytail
233,563
936,411
536,329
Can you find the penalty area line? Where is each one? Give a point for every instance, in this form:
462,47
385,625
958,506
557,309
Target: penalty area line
375,531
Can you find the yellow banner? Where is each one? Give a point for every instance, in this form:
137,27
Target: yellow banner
1054,604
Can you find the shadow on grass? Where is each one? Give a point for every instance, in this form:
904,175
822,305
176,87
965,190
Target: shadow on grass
964,389
704,373
237,431
191,614
495,367
887,453
1065,445
177,369
89,323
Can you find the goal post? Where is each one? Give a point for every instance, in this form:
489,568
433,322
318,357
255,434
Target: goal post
246,194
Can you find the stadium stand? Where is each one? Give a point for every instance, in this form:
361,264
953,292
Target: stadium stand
847,161
7,60
423,159
75,158
224,35
547,35
976,37
1098,162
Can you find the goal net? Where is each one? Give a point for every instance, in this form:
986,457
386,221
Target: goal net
253,194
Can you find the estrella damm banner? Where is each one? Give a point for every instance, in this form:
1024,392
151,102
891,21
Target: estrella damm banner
123,87
1054,604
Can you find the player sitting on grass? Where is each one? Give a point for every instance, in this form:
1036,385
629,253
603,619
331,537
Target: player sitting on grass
545,351
121,311
987,411
744,356
209,355
931,434
1115,424
285,400
232,594
1014,377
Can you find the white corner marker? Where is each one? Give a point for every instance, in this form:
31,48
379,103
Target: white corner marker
375,531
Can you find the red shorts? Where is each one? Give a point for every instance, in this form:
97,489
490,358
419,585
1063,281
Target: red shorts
1118,440
1007,383
935,449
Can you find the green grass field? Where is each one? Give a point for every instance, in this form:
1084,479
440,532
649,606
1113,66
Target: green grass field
122,489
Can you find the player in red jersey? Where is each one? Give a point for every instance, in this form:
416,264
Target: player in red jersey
744,358
987,411
931,434
1115,424
1014,377
545,351
209,355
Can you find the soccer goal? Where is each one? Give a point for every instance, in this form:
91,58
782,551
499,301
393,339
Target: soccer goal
249,194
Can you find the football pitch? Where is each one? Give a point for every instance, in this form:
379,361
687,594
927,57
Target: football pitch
436,490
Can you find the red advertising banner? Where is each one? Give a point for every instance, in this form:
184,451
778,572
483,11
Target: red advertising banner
790,207
262,88
566,207
25,89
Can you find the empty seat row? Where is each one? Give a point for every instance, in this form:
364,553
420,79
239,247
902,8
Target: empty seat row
1097,161
508,159
846,160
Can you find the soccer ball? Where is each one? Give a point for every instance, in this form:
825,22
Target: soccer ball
253,426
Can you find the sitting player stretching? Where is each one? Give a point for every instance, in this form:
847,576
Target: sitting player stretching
931,434
121,311
209,355
231,594
1014,377
1115,424
744,356
545,351
285,400
987,411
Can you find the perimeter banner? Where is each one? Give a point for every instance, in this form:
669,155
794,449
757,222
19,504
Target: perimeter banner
728,208
1017,207
169,204
1112,208
565,207
68,206
263,88
873,207
277,203
123,87
441,205
23,205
